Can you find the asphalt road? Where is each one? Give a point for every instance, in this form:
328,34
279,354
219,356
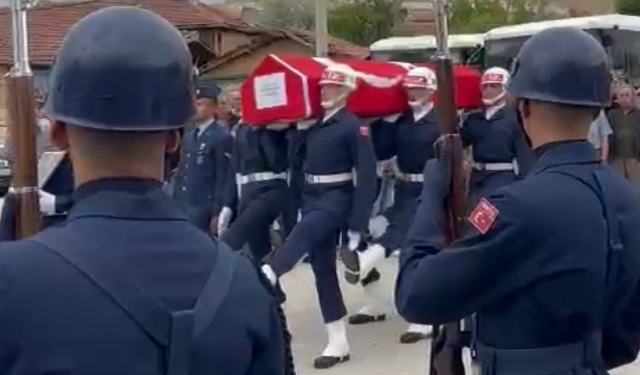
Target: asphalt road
374,348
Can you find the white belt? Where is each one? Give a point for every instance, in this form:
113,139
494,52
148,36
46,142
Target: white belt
495,167
328,178
408,177
262,176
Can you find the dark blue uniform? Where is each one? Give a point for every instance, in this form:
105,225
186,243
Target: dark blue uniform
551,266
335,146
127,285
260,159
497,140
536,278
132,225
200,185
60,184
413,146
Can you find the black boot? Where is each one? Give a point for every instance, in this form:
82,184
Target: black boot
324,362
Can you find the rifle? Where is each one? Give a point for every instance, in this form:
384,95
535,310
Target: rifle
446,348
22,126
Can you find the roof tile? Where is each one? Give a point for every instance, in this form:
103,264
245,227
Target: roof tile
49,22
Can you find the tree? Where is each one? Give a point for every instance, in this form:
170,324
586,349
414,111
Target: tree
631,7
476,16
365,21
287,14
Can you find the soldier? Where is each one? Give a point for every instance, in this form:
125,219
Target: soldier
55,177
412,144
206,149
552,265
499,149
127,285
334,197
256,188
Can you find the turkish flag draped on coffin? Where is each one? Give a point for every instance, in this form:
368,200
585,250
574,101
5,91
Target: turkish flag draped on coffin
286,89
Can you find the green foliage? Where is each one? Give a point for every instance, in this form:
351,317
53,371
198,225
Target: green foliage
364,21
631,7
287,14
476,16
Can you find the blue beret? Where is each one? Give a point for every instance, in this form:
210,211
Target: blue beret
208,91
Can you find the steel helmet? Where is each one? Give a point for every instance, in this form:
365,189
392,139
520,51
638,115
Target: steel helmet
562,65
123,69
421,77
339,74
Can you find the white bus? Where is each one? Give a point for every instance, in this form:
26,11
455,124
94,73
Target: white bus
418,49
619,34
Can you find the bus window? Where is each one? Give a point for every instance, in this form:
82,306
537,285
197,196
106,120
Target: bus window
623,48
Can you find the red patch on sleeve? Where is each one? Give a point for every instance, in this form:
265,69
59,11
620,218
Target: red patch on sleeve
364,131
483,216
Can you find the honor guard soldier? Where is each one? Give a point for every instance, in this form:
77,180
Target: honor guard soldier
339,165
412,142
206,154
55,177
551,268
257,188
499,149
127,285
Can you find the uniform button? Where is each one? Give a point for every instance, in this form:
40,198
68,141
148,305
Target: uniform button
184,188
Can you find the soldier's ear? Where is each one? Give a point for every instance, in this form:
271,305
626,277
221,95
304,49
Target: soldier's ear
59,135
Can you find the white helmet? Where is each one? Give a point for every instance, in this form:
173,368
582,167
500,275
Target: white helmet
421,77
339,74
496,75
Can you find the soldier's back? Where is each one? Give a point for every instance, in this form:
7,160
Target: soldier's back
54,318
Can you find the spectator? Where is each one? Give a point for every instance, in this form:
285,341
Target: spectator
625,122
599,133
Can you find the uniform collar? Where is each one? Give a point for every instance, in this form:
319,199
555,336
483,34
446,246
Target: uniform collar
563,153
494,112
126,198
333,117
422,112
332,114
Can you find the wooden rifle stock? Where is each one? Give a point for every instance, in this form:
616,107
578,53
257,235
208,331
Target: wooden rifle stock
446,348
22,130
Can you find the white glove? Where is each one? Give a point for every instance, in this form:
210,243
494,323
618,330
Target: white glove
354,240
47,203
378,226
224,219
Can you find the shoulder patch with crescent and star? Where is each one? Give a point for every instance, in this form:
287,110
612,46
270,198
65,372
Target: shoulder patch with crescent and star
483,216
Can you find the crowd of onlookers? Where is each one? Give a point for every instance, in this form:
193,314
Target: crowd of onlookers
615,133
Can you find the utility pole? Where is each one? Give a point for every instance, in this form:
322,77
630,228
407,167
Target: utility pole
321,28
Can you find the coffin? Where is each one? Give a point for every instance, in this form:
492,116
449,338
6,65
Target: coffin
286,89
467,84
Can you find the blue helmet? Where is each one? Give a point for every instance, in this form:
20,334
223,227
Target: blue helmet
123,69
562,65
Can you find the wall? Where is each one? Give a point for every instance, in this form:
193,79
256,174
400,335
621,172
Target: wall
243,65
223,41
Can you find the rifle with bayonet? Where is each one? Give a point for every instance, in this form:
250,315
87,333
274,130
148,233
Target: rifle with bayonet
446,348
22,126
